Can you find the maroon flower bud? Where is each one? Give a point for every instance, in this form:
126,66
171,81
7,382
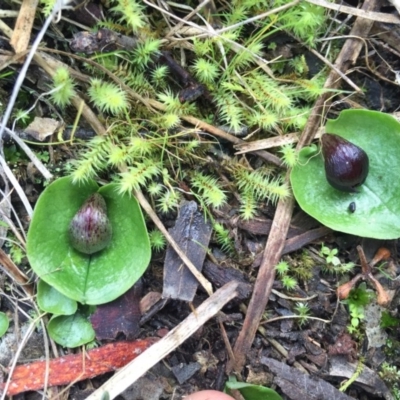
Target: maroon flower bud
90,229
346,165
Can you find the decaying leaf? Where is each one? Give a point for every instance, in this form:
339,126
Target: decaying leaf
119,316
192,233
368,379
41,128
297,385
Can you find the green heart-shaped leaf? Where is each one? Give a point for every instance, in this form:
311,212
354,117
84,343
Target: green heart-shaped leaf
52,301
71,330
377,204
90,279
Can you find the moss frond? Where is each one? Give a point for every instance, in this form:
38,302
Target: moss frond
193,146
209,188
310,19
230,111
223,238
268,93
244,58
205,70
107,97
248,205
130,12
262,186
157,240
289,155
138,81
282,268
47,6
139,146
171,101
155,189
137,176
169,201
238,13
169,120
296,118
118,155
299,65
159,76
145,52
264,119
203,47
63,87
92,160
305,20
312,88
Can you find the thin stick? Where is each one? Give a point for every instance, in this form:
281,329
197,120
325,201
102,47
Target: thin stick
361,13
38,164
16,185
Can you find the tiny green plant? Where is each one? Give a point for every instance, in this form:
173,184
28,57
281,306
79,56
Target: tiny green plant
107,97
282,268
289,155
303,311
22,117
157,240
302,266
358,298
130,12
391,374
63,87
388,320
289,282
223,238
333,263
330,255
210,189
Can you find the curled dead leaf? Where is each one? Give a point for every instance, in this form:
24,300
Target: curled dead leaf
343,290
383,298
382,254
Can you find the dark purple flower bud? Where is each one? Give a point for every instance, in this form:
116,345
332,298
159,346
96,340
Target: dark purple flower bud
346,165
90,229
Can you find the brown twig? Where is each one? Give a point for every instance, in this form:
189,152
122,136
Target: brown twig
280,226
75,367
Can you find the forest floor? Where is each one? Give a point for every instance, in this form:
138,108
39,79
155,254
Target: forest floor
284,301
